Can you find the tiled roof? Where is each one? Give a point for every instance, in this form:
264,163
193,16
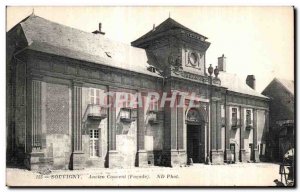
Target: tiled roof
235,84
168,24
50,37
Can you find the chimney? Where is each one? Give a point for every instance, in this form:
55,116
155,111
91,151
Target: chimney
222,63
100,30
250,81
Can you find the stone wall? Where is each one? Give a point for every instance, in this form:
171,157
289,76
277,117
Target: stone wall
57,119
59,149
261,132
154,139
126,145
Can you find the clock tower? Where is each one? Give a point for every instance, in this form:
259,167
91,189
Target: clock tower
178,53
172,47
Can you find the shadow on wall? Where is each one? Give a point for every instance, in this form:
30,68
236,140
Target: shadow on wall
15,159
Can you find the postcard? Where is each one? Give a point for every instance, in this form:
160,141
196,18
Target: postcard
150,96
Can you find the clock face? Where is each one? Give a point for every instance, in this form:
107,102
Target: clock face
193,58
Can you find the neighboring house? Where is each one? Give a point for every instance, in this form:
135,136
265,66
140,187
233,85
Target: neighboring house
56,76
282,102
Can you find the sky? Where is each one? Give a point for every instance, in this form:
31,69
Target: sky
256,40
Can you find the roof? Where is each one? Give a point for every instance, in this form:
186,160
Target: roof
53,38
168,24
288,84
235,84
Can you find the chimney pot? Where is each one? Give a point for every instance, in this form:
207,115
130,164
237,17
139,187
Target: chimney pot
250,81
99,31
100,26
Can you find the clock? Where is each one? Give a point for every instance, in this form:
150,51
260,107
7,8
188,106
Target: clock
193,58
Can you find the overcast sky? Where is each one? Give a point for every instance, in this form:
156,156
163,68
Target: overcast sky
255,41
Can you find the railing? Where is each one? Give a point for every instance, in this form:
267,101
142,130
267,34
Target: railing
96,112
235,123
128,115
249,124
152,117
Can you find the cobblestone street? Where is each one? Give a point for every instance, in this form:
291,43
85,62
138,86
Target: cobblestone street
244,174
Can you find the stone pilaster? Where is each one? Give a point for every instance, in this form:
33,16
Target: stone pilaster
227,134
180,124
36,119
180,157
113,155
173,127
32,160
218,127
213,126
36,160
173,140
242,135
173,156
77,155
142,156
217,155
255,149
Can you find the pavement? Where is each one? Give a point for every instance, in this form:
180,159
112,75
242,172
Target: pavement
241,174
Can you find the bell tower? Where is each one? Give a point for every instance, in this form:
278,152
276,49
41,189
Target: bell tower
172,47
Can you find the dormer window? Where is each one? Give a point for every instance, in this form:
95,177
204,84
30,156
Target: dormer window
151,69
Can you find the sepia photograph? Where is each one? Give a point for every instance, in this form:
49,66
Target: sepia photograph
150,96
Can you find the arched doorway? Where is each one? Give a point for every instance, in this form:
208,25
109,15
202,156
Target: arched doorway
195,123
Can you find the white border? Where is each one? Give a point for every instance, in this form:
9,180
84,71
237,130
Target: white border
108,3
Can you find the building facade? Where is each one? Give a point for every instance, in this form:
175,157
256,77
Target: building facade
56,76
282,102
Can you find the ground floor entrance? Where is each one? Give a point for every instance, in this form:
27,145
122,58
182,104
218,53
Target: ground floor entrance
195,144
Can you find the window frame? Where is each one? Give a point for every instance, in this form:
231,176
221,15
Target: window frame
248,117
94,96
94,143
234,120
153,105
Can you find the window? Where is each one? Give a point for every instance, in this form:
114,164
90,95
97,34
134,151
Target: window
234,117
95,96
130,102
153,104
94,143
248,118
125,104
